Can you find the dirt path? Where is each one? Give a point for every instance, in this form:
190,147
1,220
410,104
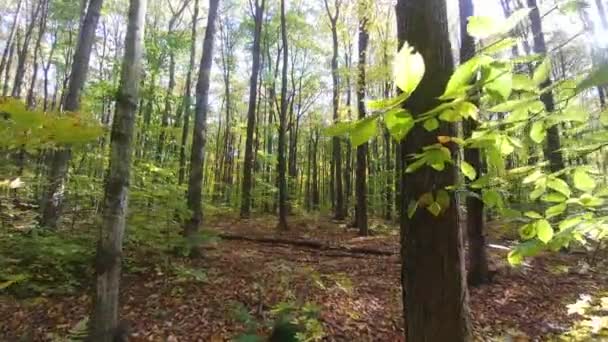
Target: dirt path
359,295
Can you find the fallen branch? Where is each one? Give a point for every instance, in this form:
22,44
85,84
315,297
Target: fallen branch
308,244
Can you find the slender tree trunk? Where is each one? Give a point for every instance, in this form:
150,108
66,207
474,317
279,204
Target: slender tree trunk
53,198
552,150
253,86
282,162
199,137
104,326
435,297
188,97
7,72
477,257
361,170
31,102
10,38
23,53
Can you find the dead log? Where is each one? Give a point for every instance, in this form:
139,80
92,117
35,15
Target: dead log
307,244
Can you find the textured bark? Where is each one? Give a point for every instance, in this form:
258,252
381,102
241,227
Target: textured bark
282,162
475,223
188,97
53,198
340,206
435,297
253,87
199,137
104,323
552,149
361,169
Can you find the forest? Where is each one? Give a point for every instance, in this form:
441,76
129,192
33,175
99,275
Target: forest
303,170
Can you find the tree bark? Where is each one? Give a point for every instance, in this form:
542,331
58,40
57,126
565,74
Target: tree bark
282,161
188,97
475,223
104,323
22,54
552,150
53,198
435,297
361,169
253,86
199,137
10,38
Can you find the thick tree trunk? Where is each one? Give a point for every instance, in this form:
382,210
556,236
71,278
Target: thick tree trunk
552,150
475,223
188,97
53,197
199,137
104,320
253,86
361,169
435,298
282,162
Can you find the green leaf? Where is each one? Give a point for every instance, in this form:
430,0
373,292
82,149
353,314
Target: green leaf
501,82
339,128
598,77
583,181
538,132
491,198
500,46
542,72
512,105
468,170
426,199
533,177
462,76
515,18
482,27
515,257
523,82
431,124
409,69
544,231
416,165
527,231
363,131
533,214
555,210
398,122
467,110
559,186
554,197
434,208
411,209
570,222
443,199
450,115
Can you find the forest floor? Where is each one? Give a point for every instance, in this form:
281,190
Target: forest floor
358,293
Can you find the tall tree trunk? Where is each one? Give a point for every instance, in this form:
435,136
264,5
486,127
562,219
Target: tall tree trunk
552,150
340,207
23,53
602,13
253,87
475,223
188,97
104,325
7,72
361,169
53,198
282,162
10,38
199,137
31,102
435,297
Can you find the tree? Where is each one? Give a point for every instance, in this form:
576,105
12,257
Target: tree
361,169
435,297
552,151
251,109
282,161
104,319
477,259
53,197
199,137
340,207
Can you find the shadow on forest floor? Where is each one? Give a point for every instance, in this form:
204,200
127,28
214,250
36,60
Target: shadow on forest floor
358,294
